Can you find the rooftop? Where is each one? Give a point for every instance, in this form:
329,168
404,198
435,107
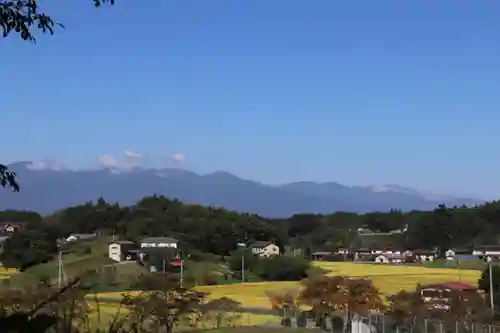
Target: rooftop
159,240
452,286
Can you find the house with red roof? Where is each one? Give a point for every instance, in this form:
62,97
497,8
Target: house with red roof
439,296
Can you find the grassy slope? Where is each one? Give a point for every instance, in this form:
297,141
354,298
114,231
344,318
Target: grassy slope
77,259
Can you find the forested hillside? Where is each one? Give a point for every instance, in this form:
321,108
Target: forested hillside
217,231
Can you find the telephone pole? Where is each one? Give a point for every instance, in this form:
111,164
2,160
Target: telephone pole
242,246
61,275
182,272
492,302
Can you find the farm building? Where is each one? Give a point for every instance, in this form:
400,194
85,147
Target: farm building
265,249
122,250
425,255
440,296
390,258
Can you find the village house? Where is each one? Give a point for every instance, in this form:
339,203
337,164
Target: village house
80,237
379,251
265,249
321,255
487,252
155,244
425,255
390,258
159,242
363,254
438,297
122,251
7,228
460,255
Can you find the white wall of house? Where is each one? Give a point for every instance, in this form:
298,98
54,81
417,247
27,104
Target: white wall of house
450,254
376,251
169,245
71,239
115,252
486,253
425,257
381,259
269,250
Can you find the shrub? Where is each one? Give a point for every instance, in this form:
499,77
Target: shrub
282,268
302,319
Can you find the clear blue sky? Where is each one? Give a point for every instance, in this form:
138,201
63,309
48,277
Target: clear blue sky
358,92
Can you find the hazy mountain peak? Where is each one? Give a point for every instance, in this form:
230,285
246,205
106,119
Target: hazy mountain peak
46,192
392,188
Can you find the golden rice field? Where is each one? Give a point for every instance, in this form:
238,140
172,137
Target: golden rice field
6,273
389,279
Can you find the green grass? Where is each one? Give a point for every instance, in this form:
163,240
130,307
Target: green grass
78,258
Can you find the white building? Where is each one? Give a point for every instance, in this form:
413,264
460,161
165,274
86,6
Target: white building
390,258
121,250
150,244
159,242
265,249
75,237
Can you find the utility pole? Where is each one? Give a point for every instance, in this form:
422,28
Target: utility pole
61,275
243,267
492,302
242,246
59,269
182,272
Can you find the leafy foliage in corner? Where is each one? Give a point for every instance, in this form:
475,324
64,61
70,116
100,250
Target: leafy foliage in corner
7,178
44,309
20,16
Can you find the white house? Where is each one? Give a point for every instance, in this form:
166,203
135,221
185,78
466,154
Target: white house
390,258
463,255
387,251
75,237
265,249
487,252
120,250
159,242
425,255
149,244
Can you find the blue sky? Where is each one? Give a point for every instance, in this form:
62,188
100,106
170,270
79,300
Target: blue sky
358,92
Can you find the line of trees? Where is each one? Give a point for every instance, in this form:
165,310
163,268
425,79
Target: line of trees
218,231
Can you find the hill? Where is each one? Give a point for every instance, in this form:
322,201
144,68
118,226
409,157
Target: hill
48,190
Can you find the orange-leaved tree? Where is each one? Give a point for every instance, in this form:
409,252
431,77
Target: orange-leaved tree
332,295
286,302
405,307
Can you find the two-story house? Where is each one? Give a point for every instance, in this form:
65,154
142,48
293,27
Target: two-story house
440,297
265,249
158,244
122,250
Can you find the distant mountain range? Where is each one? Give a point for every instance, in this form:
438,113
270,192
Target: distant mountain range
47,190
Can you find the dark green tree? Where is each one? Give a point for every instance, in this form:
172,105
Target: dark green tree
29,247
282,268
484,284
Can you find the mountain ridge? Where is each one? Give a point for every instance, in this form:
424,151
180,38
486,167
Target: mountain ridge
46,189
